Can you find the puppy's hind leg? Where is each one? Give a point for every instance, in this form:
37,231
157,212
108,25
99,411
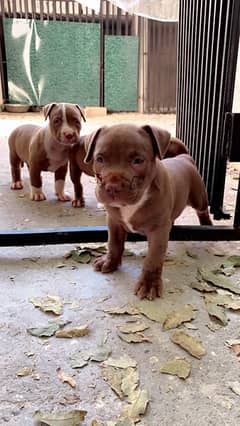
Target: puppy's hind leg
199,201
75,174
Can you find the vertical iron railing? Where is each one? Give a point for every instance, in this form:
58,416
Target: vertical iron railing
207,56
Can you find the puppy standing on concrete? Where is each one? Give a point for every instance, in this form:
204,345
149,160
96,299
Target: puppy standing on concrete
142,193
45,148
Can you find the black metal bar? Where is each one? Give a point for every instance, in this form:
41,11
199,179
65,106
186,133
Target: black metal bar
237,208
72,235
207,49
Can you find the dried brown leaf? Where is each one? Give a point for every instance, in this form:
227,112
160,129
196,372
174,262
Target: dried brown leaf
138,405
123,361
134,337
219,280
121,310
80,331
227,300
155,310
189,343
177,317
25,371
70,418
216,312
178,367
203,286
133,327
48,304
65,378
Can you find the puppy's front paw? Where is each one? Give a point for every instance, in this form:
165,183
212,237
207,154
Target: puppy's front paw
37,194
62,196
78,202
17,185
106,264
59,190
149,286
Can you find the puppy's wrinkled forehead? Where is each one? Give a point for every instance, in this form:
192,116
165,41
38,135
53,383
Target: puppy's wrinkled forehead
121,142
65,112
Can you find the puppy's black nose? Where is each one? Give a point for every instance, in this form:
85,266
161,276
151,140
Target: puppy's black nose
68,135
113,189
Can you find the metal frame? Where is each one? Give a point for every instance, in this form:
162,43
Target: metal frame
207,58
84,234
68,235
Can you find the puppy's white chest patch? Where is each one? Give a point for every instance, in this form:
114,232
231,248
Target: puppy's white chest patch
56,158
127,212
57,155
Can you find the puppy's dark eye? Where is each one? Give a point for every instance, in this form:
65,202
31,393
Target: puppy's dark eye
137,161
57,121
99,159
77,122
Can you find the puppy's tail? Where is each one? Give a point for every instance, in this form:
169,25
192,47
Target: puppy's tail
175,147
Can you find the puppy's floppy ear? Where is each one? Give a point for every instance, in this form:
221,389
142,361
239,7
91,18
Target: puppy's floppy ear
160,139
82,112
90,143
47,109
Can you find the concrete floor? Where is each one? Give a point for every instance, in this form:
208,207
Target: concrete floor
204,398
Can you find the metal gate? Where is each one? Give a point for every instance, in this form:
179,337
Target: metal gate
114,23
207,56
160,93
156,81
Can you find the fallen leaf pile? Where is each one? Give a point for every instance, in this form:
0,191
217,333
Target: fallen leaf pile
132,332
122,376
158,311
220,292
56,329
99,353
85,254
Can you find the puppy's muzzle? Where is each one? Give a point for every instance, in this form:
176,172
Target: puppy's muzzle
114,185
68,136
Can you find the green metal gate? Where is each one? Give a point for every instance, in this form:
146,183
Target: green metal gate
50,61
121,73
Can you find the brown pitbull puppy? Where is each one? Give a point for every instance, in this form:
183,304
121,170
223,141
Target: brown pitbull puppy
142,193
172,147
45,148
